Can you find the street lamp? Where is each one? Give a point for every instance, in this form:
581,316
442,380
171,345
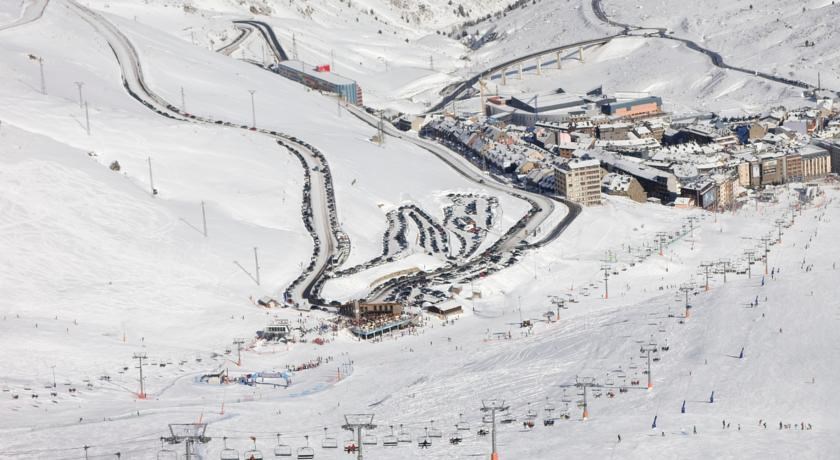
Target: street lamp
79,84
253,110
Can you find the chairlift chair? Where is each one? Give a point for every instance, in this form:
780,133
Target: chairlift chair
462,424
282,450
329,442
403,436
227,453
390,440
455,438
167,454
306,453
370,440
433,432
425,441
350,447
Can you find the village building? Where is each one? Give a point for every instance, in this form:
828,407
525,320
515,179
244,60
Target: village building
579,180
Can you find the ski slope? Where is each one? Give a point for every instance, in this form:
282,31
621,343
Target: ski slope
96,269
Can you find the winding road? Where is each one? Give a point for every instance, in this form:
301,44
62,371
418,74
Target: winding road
319,211
32,11
714,56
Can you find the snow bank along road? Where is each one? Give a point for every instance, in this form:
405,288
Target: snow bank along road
244,33
319,211
267,33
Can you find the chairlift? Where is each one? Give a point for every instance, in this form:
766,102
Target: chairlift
227,453
329,442
306,453
167,454
425,441
403,436
390,440
507,419
462,425
487,418
282,450
254,454
530,413
455,438
483,430
370,440
432,432
350,447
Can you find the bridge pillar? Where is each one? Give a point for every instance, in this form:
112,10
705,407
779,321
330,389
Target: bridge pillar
504,76
559,62
520,71
580,54
539,66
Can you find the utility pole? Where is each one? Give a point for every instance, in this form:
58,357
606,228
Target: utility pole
431,62
294,47
183,101
204,219
238,342
79,85
686,288
53,374
151,179
86,447
87,119
357,423
493,406
43,82
253,110
257,265
140,357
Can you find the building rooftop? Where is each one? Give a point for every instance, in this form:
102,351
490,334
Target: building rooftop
310,70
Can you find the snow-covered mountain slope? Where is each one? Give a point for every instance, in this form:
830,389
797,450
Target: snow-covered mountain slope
95,270
768,36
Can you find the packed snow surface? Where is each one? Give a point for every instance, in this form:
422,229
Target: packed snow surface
96,270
